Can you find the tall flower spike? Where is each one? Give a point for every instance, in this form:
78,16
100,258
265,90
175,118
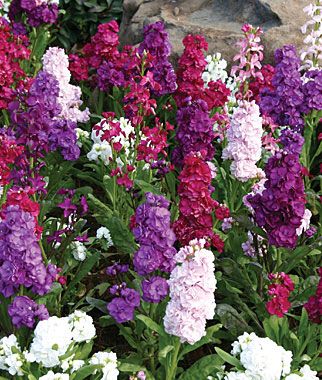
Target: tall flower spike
192,285
311,55
249,56
244,141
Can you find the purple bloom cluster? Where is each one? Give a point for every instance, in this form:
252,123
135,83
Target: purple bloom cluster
37,123
194,133
117,268
24,311
122,307
156,42
312,89
155,236
284,103
155,289
109,76
37,12
292,141
20,255
279,209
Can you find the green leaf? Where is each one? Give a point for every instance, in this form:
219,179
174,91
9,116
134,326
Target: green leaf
294,259
84,351
202,368
97,303
304,321
151,324
231,319
146,187
83,270
129,367
164,352
228,358
85,371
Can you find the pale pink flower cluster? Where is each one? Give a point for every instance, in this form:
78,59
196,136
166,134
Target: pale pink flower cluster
312,54
250,55
55,62
244,141
192,284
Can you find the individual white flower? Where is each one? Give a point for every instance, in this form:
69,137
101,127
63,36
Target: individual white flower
79,251
305,223
308,374
7,343
71,365
108,361
242,342
52,338
76,365
104,232
81,135
15,363
82,326
54,376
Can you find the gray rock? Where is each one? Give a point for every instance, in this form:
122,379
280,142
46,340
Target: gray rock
219,21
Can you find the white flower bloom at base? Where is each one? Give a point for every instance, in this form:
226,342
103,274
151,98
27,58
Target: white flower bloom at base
262,358
305,374
79,251
108,360
6,345
55,376
14,363
104,232
52,338
81,135
82,326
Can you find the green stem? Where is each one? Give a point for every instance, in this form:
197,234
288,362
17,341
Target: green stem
4,194
172,369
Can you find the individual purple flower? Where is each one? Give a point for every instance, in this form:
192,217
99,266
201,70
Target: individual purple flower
312,90
108,76
117,268
155,289
68,207
310,232
194,132
292,141
156,42
154,234
120,310
280,207
24,312
284,103
131,296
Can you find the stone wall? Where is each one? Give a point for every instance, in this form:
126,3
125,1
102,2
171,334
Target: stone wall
219,21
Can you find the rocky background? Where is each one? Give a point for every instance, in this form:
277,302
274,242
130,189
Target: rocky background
219,21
